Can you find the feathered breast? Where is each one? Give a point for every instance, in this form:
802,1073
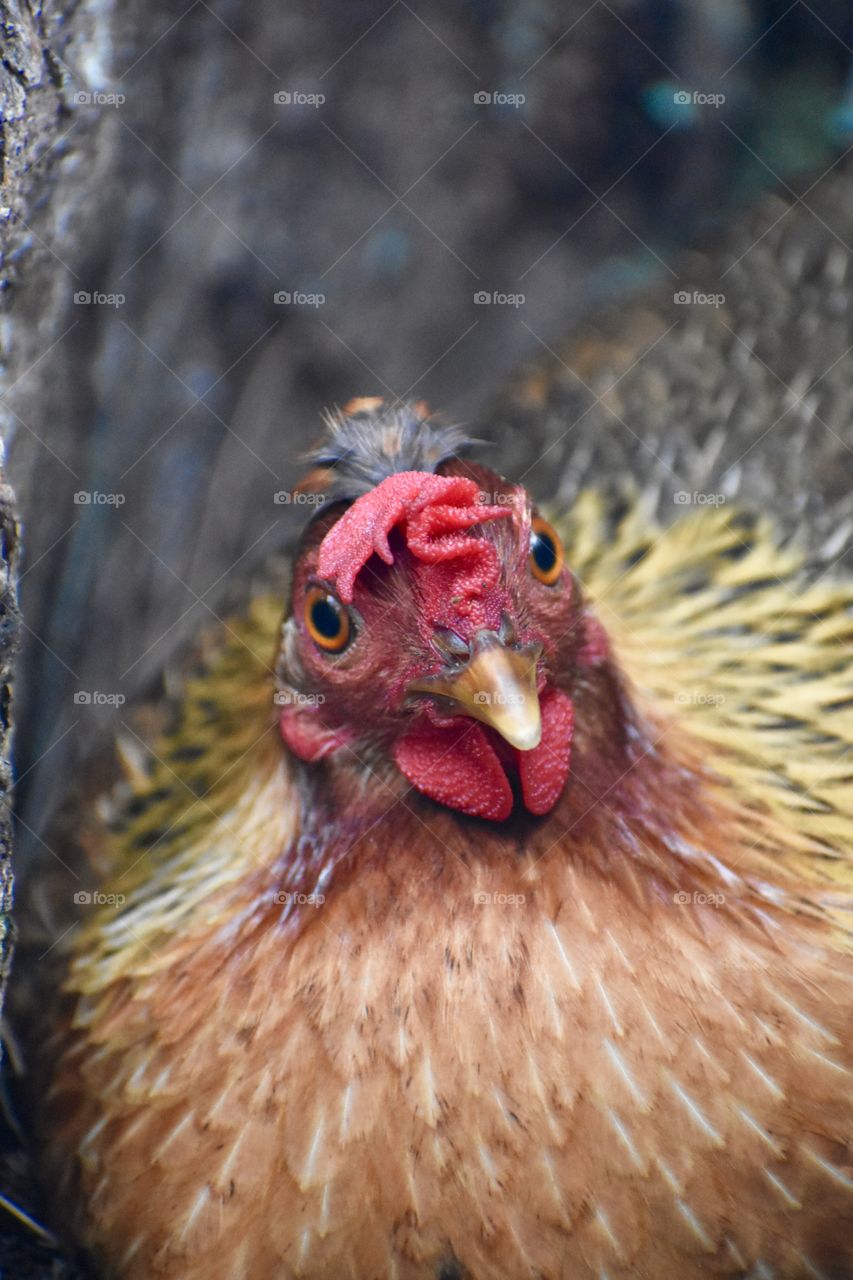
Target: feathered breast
587,1042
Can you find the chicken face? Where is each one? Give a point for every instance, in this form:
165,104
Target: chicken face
434,624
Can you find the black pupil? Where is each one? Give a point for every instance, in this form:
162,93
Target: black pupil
544,552
326,618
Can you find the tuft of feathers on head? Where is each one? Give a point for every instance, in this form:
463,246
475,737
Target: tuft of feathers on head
368,442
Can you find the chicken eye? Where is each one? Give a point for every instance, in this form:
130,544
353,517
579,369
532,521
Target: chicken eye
546,552
327,621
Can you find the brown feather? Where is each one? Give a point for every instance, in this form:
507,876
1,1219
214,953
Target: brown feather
579,1075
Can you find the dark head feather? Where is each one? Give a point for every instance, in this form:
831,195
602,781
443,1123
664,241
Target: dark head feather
369,442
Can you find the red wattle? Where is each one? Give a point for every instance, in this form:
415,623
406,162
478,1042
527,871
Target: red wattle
543,771
457,766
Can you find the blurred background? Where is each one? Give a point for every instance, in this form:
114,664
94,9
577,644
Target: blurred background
222,219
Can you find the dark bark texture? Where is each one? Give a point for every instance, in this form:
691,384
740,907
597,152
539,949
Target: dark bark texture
183,184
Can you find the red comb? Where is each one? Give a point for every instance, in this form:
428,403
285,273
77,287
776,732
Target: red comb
434,511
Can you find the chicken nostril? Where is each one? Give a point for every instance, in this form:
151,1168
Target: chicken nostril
450,643
507,632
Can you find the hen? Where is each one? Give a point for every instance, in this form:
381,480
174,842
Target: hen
482,921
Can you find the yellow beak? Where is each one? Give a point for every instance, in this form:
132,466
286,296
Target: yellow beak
497,686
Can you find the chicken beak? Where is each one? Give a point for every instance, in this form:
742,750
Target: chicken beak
497,686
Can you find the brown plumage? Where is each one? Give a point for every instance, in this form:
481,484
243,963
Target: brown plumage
341,1028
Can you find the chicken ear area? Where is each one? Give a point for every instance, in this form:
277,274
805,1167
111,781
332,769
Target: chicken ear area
457,765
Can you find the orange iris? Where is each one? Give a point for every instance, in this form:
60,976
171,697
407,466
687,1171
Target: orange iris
326,620
546,552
